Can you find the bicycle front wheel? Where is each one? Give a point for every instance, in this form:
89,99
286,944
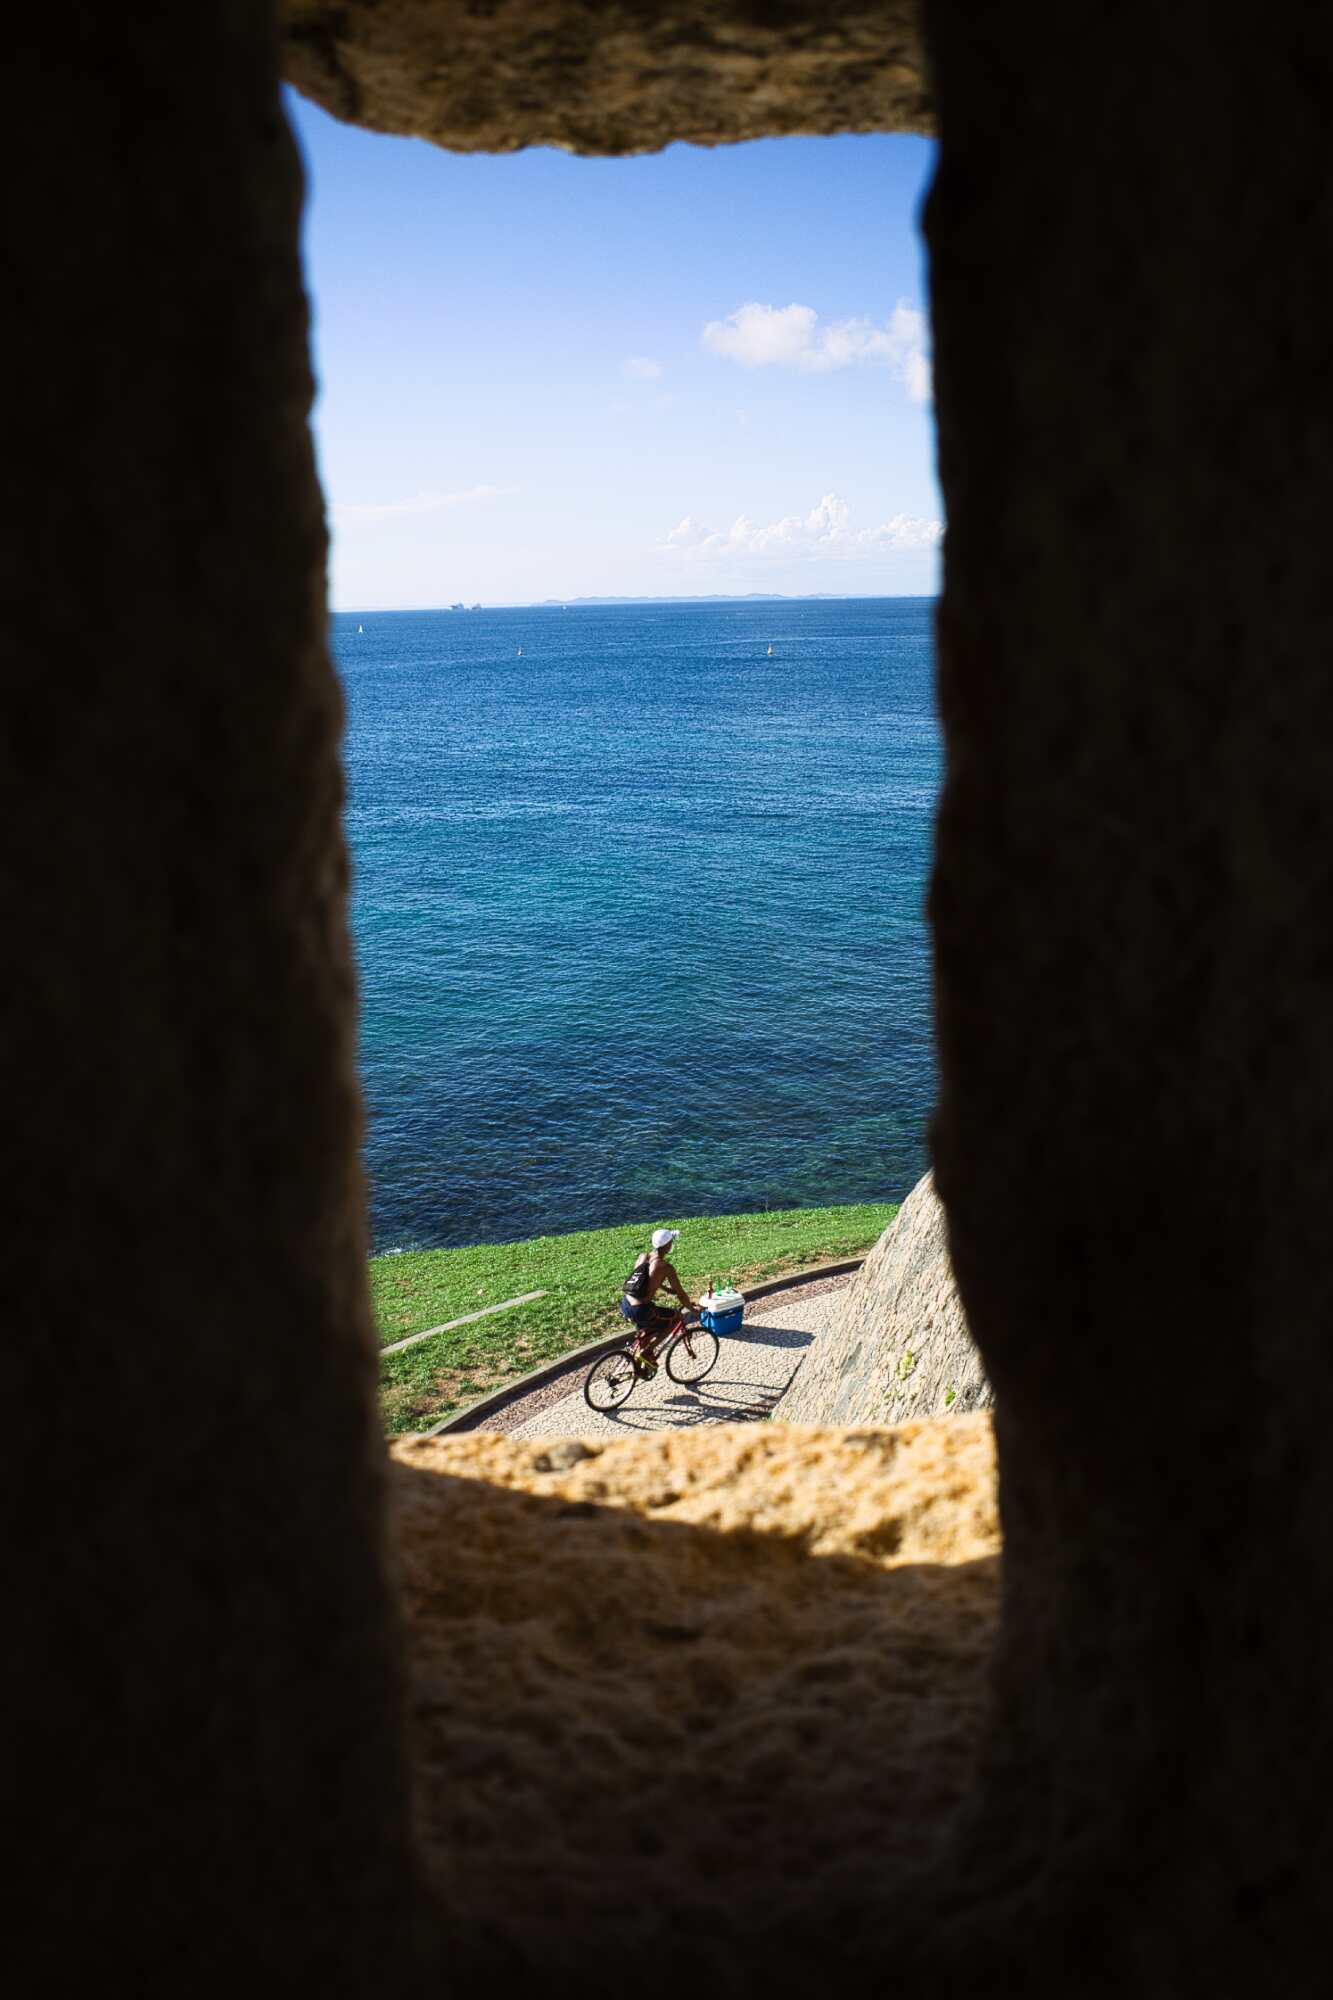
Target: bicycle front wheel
608,1382
691,1354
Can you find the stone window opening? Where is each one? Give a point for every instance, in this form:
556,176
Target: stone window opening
1128,233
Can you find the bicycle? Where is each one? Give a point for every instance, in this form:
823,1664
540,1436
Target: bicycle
688,1351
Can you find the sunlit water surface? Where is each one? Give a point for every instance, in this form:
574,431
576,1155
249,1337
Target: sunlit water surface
638,912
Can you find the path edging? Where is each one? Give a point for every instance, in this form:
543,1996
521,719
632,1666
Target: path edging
472,1418
448,1325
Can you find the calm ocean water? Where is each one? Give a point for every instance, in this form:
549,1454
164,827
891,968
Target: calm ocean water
639,913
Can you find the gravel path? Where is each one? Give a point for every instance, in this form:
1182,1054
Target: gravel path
751,1374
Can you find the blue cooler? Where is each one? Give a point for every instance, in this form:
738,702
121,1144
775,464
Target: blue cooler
724,1313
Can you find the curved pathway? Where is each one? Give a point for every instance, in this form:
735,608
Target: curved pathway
751,1374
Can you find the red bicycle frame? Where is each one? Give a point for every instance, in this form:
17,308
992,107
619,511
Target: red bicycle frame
649,1343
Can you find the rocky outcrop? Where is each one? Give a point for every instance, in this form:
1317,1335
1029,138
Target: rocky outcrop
692,1682
595,77
897,1345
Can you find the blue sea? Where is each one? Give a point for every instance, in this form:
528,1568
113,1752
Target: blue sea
639,910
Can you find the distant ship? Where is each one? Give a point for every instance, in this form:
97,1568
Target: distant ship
458,607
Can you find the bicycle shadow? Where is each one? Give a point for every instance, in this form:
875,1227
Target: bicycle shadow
736,1391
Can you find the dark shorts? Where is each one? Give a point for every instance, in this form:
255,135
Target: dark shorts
649,1319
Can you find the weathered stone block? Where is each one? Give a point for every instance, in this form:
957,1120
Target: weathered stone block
608,76
670,1691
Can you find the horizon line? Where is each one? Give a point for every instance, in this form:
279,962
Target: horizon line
604,600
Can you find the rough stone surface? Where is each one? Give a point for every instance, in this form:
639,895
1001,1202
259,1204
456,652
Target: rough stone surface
896,1343
1132,310
608,76
205,1774
673,1693
1132,907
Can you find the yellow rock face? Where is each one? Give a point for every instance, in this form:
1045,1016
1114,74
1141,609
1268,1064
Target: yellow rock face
697,1678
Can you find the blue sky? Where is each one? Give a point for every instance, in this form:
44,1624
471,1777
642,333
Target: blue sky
704,370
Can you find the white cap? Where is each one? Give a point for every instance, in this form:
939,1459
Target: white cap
661,1237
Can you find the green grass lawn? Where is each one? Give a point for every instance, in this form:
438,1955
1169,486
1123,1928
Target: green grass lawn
581,1275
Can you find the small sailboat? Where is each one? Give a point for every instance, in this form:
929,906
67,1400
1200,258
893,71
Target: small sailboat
519,654
361,628
770,652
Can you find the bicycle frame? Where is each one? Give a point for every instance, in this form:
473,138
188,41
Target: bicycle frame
606,1389
656,1345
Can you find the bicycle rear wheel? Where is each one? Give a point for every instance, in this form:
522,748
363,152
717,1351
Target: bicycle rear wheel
691,1354
608,1382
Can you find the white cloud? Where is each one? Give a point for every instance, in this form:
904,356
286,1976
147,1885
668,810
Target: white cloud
825,531
759,336
420,503
642,368
764,336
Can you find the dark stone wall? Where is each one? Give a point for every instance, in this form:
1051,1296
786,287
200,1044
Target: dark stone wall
204,1779
1130,239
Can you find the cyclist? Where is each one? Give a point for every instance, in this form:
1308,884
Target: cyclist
652,1270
